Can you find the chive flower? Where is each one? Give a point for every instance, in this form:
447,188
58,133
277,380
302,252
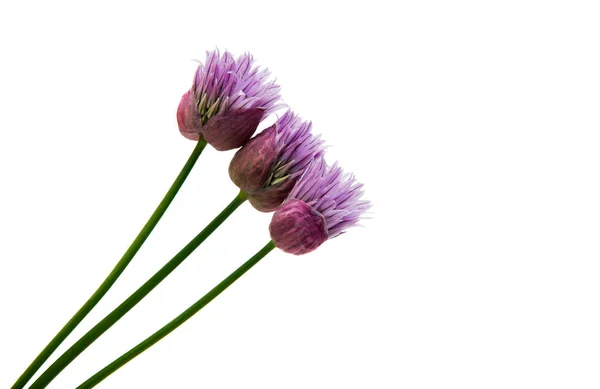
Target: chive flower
227,101
323,204
269,165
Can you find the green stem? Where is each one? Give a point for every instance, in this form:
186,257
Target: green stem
115,273
179,320
93,334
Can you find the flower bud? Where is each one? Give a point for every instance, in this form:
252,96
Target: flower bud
267,167
297,228
228,100
323,204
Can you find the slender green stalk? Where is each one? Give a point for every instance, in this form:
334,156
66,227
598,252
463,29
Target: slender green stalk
179,320
110,319
115,273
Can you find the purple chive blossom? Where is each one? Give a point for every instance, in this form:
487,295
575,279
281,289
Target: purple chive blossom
322,205
227,101
269,165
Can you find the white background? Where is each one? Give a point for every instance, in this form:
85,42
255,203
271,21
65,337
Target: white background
474,126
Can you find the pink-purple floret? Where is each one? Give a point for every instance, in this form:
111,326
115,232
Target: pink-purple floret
298,147
236,83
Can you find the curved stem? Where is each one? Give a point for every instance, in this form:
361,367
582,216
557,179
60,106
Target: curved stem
179,320
110,319
115,273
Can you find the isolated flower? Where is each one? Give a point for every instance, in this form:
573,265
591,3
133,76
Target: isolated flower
227,101
268,166
322,205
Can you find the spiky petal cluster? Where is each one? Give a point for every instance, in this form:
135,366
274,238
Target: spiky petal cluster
227,101
322,205
269,165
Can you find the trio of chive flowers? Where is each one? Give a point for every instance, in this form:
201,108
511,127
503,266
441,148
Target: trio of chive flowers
281,170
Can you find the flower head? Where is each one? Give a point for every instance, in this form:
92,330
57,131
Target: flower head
269,165
227,101
323,204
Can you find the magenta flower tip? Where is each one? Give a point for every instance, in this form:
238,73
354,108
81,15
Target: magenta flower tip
326,191
227,101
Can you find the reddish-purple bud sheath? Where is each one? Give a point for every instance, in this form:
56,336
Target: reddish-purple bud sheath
251,165
297,228
270,198
188,118
232,129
